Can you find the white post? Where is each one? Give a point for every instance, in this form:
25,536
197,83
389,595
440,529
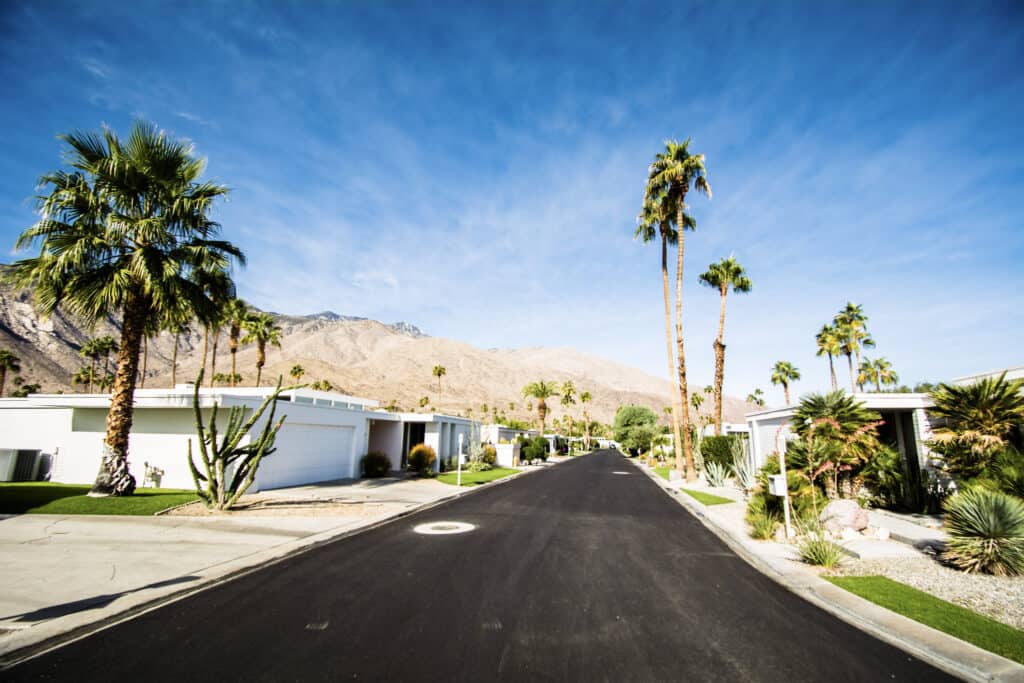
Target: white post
785,498
458,476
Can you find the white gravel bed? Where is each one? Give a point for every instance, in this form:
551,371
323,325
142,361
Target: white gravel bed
999,597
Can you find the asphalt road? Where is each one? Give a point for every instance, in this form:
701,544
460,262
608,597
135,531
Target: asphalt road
582,572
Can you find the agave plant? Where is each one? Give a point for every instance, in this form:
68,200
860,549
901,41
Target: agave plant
717,473
986,532
742,468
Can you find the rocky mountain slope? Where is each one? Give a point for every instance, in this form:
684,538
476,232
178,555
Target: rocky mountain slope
391,363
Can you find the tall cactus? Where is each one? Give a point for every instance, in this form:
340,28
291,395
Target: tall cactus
216,458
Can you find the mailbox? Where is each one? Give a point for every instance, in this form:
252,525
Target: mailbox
777,485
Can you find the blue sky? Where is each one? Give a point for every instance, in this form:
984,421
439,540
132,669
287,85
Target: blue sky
476,168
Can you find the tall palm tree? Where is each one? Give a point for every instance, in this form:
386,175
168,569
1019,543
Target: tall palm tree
236,314
177,326
851,327
830,344
262,329
783,373
878,372
568,399
106,345
670,178
439,371
585,398
121,234
542,391
91,351
219,287
656,217
297,372
8,363
721,276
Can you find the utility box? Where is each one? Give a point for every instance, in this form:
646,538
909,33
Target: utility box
777,485
8,461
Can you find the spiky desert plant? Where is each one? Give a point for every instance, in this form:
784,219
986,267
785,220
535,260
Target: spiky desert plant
717,473
228,469
986,532
763,522
816,548
742,468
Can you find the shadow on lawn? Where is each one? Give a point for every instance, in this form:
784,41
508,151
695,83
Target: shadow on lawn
17,499
95,602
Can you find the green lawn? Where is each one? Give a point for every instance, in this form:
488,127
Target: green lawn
662,472
474,478
707,498
957,621
70,499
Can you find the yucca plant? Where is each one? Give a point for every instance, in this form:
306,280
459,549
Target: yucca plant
717,473
817,549
742,468
762,521
986,532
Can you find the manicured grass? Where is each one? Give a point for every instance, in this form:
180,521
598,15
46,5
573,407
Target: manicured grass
957,621
474,478
707,498
662,472
70,499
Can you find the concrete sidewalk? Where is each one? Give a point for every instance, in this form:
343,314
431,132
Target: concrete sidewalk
780,562
63,573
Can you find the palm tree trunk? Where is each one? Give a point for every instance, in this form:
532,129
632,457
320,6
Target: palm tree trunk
720,363
832,373
853,382
3,379
676,410
145,361
691,473
261,359
233,348
92,373
213,357
174,361
114,478
542,413
785,389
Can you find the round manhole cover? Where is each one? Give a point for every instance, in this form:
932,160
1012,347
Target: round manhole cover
439,528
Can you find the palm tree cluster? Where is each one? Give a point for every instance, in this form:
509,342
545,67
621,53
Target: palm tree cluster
95,350
670,178
8,363
125,231
847,335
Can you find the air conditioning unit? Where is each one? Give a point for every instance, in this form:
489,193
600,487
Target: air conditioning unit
19,465
8,461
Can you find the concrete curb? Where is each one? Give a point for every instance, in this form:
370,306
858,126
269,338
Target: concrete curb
941,650
31,642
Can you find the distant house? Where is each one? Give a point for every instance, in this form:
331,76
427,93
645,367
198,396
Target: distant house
324,437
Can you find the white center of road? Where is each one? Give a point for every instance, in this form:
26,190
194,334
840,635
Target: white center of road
618,472
438,528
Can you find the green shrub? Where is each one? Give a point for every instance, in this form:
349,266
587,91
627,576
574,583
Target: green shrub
884,477
1006,473
421,459
490,454
816,548
718,449
762,521
536,449
478,466
986,532
375,465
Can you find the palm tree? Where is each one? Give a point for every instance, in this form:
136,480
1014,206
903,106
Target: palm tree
830,344
541,390
586,398
783,373
8,363
757,398
219,287
91,350
884,374
236,314
851,327
568,399
721,276
262,329
85,375
439,372
106,345
656,216
297,372
177,325
669,180
121,234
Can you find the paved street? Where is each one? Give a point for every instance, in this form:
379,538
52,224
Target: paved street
582,572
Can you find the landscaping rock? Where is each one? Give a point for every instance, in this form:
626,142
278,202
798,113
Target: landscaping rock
882,533
844,514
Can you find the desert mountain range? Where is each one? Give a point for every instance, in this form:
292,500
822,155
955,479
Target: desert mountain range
361,357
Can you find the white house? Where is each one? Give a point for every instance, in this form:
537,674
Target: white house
323,438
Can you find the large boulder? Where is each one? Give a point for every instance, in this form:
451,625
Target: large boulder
843,514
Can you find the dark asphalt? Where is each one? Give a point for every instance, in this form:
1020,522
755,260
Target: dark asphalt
576,573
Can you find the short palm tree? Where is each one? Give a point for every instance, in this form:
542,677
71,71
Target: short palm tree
830,344
756,397
297,372
568,399
219,287
8,363
439,371
783,373
92,351
262,329
884,374
236,313
121,233
721,276
542,391
670,177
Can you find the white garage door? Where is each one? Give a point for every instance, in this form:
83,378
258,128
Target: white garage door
306,454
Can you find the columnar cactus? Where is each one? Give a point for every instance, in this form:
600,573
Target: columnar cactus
217,486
